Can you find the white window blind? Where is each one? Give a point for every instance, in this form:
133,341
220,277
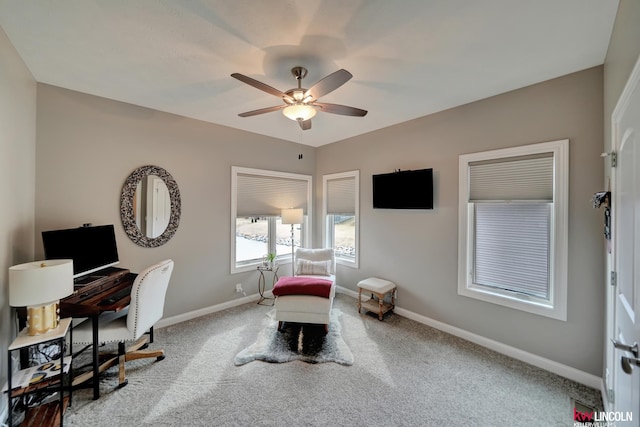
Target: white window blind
512,178
512,247
512,198
512,228
261,195
341,199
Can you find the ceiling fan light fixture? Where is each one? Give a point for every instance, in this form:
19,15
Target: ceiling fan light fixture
299,112
298,95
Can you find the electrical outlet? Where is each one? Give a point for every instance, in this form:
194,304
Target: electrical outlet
239,287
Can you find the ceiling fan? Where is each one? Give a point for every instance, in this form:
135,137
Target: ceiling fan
301,104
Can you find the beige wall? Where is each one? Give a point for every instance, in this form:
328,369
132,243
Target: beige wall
86,148
418,249
17,179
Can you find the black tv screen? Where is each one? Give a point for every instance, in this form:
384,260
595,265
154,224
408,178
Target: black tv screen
91,248
410,189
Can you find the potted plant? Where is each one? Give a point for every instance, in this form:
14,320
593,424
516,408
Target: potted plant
270,258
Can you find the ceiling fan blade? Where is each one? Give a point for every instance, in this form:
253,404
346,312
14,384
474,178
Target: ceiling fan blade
259,85
340,109
305,124
330,83
262,111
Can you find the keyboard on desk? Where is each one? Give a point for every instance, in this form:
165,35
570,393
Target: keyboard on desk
85,280
115,297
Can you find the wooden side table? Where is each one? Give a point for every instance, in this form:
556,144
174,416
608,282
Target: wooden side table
378,289
261,282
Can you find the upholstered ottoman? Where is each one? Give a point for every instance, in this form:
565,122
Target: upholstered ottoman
378,288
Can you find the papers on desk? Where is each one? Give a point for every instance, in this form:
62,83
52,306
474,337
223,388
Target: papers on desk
36,374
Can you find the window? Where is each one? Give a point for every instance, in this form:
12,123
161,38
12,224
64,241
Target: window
341,216
258,197
512,230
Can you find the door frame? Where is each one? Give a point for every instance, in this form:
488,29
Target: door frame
609,354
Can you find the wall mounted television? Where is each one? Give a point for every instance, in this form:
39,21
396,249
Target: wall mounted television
410,189
91,248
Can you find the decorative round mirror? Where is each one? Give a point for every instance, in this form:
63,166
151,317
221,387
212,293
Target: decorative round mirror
150,206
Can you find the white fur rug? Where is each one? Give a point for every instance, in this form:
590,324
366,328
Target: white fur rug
298,341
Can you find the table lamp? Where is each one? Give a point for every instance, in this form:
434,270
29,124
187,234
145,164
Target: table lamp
39,286
293,217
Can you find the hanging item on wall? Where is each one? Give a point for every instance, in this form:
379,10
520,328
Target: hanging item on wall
599,199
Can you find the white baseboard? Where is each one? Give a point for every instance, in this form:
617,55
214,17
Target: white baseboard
347,292
164,322
524,356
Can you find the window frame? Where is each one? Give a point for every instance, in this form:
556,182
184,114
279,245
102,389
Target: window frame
329,232
556,306
305,233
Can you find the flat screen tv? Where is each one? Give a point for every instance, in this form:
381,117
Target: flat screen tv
91,248
410,189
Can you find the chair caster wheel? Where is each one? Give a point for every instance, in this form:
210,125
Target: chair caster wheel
122,384
159,358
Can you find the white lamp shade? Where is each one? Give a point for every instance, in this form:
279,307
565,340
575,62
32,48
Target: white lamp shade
292,216
299,112
40,282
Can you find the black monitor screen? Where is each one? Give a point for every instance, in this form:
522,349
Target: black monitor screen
411,189
90,248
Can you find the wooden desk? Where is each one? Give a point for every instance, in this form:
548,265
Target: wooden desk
86,302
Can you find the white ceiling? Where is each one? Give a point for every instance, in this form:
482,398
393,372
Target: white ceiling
409,58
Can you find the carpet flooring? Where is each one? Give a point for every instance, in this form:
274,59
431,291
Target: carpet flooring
403,374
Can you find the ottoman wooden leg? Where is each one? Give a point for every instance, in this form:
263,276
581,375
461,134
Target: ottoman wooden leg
359,299
381,308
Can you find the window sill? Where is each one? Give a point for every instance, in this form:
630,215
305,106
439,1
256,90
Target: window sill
252,266
349,262
244,268
514,301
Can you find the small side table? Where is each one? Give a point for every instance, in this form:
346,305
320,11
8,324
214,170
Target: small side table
261,282
50,376
378,289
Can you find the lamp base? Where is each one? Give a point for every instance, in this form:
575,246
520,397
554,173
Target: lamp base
42,318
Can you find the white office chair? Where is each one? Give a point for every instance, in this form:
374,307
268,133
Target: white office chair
145,309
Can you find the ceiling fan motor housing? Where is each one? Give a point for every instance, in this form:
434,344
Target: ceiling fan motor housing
299,73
